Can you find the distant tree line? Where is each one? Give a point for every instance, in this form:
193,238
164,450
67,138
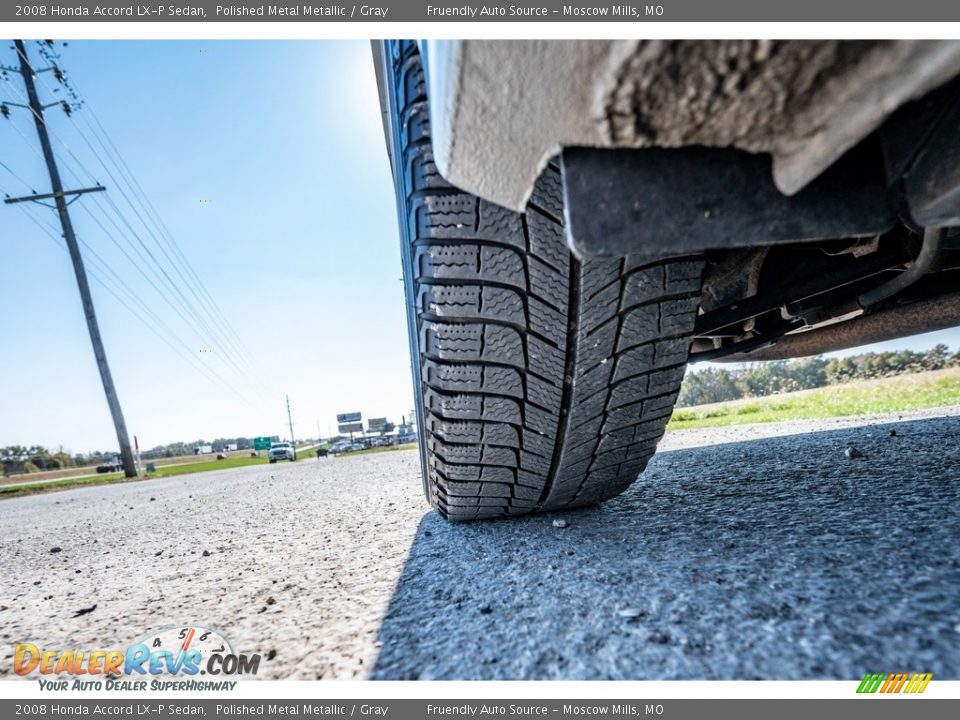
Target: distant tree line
176,449
19,459
780,376
699,387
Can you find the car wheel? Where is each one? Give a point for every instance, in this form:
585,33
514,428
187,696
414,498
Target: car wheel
543,382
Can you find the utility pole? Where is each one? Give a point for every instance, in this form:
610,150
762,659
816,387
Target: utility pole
290,420
58,195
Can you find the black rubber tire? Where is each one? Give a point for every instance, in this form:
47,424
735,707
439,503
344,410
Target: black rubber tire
545,383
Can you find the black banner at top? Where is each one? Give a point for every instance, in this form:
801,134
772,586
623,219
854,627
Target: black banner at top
454,11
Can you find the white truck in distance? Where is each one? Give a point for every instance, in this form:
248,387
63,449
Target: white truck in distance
281,451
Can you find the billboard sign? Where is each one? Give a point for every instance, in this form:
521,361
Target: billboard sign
377,424
352,417
350,427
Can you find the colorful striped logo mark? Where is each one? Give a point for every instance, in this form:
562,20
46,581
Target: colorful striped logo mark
895,682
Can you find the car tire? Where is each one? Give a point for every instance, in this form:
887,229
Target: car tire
543,382
272,462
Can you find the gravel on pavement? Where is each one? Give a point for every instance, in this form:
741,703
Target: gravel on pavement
762,551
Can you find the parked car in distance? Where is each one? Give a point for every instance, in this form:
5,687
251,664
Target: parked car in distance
281,451
339,447
343,446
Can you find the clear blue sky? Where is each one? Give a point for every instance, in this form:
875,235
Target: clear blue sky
266,161
297,242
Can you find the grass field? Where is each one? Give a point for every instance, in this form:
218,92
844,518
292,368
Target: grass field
906,392
922,391
162,471
303,453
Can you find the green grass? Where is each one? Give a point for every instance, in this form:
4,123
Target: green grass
170,471
61,484
107,478
896,394
206,466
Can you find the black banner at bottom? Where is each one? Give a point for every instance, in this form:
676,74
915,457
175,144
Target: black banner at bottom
872,707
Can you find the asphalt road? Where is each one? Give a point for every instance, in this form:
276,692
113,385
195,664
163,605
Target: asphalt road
739,554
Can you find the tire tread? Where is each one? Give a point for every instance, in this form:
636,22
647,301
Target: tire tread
546,381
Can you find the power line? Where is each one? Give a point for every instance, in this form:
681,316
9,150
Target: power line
221,337
146,276
213,329
106,378
113,153
37,113
229,339
104,266
151,211
12,172
20,132
185,303
168,245
144,261
183,299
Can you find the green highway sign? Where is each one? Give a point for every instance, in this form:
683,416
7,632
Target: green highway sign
261,443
